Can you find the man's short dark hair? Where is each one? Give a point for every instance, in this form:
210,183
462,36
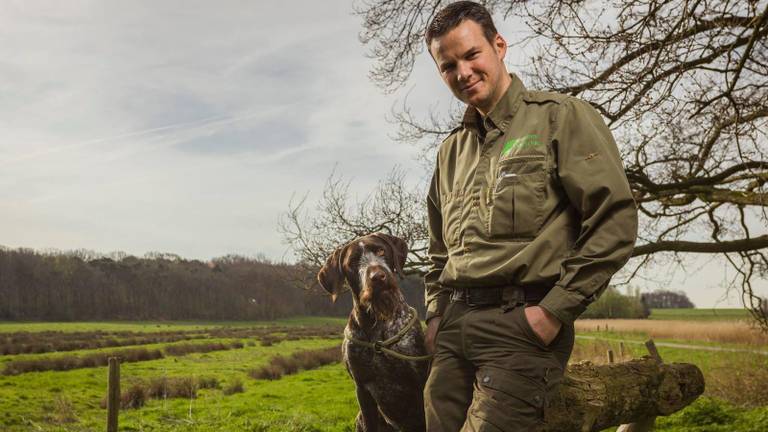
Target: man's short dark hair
452,15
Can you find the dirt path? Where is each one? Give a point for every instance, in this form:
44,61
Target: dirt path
678,345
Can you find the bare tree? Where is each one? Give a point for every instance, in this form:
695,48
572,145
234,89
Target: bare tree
682,84
393,208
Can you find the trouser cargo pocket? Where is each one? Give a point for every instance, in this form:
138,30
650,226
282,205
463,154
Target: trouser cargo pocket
506,401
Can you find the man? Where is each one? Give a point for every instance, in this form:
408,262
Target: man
530,214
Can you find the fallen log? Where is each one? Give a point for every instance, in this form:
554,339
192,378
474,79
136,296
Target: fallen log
594,397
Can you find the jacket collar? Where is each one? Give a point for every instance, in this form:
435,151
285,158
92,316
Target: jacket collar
501,115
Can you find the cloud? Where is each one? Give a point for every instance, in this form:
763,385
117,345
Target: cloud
265,137
140,126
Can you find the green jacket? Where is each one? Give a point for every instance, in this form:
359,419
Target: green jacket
540,199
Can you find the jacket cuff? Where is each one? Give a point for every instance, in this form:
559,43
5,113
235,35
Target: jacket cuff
436,305
565,305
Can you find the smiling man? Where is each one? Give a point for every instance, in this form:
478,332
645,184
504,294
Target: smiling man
530,214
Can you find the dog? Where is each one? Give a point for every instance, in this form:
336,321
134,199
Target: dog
383,347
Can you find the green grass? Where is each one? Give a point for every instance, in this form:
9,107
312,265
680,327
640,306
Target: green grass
700,314
705,360
31,400
320,400
317,400
713,415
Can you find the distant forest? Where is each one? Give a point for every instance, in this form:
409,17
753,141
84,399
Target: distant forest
84,286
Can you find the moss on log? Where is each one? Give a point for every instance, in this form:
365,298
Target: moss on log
594,397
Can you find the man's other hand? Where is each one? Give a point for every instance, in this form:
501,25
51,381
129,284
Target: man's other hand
544,324
429,336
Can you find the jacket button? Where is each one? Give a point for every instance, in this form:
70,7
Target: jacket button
486,379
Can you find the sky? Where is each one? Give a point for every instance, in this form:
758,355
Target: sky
188,126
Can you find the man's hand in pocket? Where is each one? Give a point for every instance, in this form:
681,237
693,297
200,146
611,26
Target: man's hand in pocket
544,324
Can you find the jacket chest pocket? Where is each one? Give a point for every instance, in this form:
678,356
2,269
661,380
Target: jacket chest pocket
516,197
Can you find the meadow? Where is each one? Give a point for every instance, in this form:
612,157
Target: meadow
248,383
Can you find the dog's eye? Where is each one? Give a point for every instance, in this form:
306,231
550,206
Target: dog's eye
380,252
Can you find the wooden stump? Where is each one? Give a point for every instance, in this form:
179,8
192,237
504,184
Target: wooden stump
594,397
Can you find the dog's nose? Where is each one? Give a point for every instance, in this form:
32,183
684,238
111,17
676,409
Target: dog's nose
378,276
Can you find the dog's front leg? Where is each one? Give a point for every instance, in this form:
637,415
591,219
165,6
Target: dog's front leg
368,419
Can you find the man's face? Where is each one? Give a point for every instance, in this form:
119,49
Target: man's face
472,67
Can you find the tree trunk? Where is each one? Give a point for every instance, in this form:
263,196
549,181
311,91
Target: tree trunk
595,397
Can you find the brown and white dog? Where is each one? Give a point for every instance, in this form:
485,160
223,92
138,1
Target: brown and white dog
389,389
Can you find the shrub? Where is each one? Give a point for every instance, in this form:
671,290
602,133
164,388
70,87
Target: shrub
613,304
302,360
133,398
235,386
139,392
164,387
62,411
69,362
268,372
184,349
208,383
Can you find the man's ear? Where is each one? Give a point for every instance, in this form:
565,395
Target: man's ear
500,46
397,253
331,275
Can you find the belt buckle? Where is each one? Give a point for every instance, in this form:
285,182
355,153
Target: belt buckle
467,297
512,297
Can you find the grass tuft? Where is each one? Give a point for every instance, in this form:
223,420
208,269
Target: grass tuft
69,362
235,386
302,360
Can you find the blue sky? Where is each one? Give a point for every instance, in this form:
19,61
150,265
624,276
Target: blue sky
186,127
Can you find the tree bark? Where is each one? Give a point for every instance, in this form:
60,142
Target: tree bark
595,397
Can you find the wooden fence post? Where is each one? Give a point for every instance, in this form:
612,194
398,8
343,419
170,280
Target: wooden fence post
653,351
113,394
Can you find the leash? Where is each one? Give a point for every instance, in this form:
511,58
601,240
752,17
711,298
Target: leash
381,347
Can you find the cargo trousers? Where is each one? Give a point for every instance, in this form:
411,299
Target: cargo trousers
491,372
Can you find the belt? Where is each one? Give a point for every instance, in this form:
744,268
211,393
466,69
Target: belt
486,296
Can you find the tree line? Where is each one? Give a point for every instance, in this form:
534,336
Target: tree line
82,285
664,299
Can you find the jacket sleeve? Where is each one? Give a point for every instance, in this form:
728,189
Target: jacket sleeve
436,296
593,178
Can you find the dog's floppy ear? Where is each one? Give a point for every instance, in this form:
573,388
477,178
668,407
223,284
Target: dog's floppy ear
397,253
331,275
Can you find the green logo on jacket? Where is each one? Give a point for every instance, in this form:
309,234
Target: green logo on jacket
526,141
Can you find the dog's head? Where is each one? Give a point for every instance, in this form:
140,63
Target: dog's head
370,266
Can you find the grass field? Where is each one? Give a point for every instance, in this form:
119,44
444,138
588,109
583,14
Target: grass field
716,332
323,399
700,314
70,400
